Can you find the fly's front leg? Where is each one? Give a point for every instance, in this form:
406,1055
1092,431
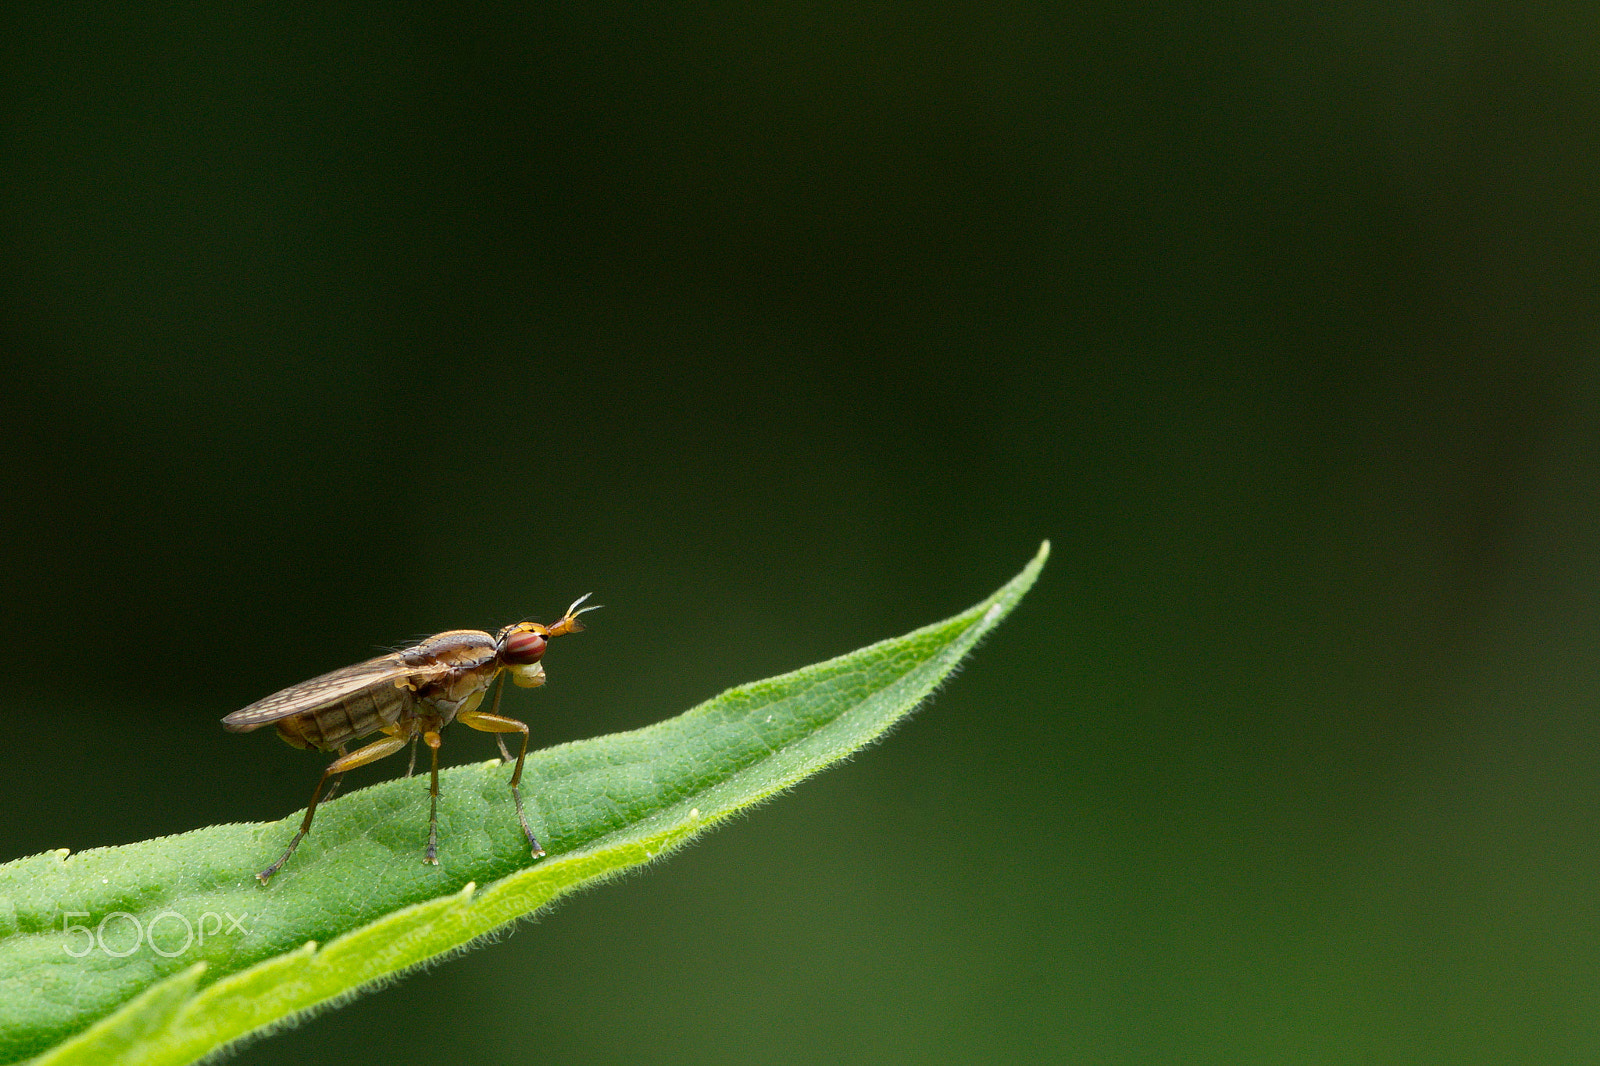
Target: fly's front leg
359,757
494,723
494,712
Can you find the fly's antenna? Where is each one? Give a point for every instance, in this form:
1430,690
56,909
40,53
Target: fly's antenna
573,612
569,622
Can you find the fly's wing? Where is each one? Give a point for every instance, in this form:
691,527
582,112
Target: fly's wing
325,691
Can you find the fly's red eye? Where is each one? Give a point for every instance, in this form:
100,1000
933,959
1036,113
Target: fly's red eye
523,648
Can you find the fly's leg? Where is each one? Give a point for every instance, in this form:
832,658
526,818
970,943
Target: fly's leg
494,723
360,757
499,738
333,789
431,738
411,767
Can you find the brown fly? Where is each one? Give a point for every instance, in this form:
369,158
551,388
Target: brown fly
410,695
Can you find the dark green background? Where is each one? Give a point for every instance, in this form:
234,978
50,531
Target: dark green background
787,327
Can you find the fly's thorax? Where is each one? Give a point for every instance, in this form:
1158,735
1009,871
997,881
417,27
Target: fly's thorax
461,690
456,647
471,656
439,709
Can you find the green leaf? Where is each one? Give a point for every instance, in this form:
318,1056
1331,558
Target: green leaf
217,957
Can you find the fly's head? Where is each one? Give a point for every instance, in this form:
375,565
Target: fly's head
522,646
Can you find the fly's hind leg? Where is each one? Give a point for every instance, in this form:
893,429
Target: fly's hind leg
333,789
494,723
360,757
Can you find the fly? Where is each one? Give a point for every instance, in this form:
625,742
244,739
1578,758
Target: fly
410,695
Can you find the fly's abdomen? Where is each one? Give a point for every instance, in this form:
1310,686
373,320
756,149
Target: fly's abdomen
347,719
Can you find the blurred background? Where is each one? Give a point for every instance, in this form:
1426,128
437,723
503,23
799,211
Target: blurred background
784,328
